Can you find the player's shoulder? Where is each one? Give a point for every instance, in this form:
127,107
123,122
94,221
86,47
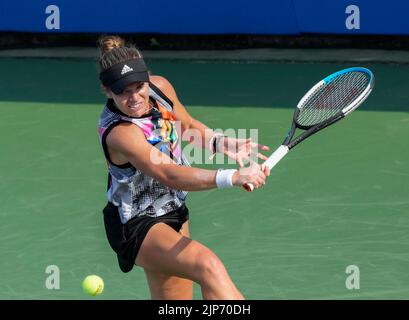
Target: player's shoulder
163,84
123,127
124,131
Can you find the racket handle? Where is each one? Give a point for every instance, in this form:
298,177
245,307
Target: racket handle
248,187
270,162
276,156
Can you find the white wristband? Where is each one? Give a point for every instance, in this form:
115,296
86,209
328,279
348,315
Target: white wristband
224,178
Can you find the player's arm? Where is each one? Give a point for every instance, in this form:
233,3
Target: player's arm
193,130
198,134
129,142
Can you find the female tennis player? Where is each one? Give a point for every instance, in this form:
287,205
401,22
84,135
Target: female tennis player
146,219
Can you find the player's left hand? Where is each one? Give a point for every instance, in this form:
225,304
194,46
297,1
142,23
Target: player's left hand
242,150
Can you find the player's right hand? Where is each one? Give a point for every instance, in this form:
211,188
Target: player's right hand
255,175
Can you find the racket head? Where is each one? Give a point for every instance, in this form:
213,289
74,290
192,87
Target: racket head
339,93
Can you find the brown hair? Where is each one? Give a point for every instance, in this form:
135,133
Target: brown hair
113,50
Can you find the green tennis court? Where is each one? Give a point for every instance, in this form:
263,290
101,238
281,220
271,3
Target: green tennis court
339,199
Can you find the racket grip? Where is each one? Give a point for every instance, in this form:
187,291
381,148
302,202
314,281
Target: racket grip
276,156
270,162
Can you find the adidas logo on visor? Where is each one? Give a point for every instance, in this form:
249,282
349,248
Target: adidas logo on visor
126,69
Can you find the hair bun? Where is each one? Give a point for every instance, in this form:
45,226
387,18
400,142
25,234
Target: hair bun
113,50
107,43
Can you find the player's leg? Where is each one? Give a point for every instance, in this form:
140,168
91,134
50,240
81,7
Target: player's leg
165,287
166,251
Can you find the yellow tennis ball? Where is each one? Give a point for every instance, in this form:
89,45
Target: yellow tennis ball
93,285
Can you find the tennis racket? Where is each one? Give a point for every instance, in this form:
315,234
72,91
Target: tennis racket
329,101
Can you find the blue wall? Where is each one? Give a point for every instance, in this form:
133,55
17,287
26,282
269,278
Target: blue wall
208,16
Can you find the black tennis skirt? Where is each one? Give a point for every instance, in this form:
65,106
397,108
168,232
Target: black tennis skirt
126,239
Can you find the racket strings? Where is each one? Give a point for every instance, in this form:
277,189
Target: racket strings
329,99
